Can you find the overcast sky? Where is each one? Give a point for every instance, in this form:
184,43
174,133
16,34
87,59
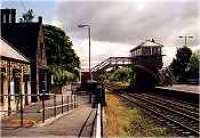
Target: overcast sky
118,26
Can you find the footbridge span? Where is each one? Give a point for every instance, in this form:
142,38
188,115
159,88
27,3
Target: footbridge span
112,62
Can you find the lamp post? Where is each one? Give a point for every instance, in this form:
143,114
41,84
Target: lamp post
186,38
88,26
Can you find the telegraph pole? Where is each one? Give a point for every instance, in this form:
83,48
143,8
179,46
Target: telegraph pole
186,37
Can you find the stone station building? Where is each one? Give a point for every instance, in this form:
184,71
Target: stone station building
14,78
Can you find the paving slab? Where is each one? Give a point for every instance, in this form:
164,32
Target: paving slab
33,112
79,123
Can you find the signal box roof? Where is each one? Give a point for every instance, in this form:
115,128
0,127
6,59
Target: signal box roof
147,43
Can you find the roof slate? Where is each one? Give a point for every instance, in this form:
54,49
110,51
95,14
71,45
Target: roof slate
147,43
6,50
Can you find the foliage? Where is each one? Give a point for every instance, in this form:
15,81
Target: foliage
117,121
61,58
166,77
28,16
180,63
193,66
61,75
122,74
132,76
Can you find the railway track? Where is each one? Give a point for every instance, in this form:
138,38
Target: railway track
182,107
177,116
180,102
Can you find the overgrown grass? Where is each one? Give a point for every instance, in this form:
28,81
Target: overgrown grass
117,121
122,84
122,121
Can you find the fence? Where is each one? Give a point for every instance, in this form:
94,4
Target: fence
49,105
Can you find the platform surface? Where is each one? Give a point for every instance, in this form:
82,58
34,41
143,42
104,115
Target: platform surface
78,123
184,87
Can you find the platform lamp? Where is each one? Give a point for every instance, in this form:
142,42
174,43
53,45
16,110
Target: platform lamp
88,26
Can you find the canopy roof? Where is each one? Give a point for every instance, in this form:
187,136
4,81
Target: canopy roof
7,51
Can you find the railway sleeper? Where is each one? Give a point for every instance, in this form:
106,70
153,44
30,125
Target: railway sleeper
163,116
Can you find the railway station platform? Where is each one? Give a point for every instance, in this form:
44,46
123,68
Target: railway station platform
194,89
184,92
78,123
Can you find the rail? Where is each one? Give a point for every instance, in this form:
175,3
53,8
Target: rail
187,124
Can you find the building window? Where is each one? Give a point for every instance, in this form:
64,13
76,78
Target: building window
139,52
4,18
146,51
10,18
156,51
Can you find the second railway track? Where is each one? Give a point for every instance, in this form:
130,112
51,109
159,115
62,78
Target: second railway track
180,117
181,107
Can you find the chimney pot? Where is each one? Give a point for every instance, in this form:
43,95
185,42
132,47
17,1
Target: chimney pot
8,15
40,19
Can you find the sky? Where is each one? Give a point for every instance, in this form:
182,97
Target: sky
120,25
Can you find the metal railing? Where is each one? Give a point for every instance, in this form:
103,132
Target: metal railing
98,121
49,105
100,102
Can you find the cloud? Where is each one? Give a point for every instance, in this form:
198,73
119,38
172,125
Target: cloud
57,23
129,22
119,26
100,51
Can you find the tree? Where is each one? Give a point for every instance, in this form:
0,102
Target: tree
61,75
180,63
61,58
28,16
193,66
122,74
166,77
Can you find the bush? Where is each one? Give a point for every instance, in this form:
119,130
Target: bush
122,74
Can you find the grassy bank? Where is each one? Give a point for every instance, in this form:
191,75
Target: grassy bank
121,121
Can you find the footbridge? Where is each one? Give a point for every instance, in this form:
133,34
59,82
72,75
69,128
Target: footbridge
112,62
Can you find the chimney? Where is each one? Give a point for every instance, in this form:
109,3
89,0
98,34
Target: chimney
8,16
40,19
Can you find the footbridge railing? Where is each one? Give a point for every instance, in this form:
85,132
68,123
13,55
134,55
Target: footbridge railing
111,62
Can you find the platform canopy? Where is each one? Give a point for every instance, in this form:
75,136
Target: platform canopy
7,51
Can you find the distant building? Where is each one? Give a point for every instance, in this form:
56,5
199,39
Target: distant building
147,58
148,54
15,76
28,38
